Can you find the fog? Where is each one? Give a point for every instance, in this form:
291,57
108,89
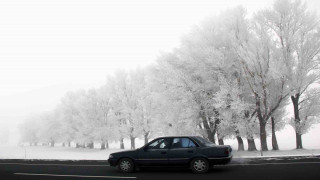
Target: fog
48,48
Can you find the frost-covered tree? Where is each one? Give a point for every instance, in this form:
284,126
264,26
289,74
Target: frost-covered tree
233,110
308,111
296,32
125,105
103,132
193,68
187,82
277,119
50,128
69,116
84,120
170,108
277,122
262,70
148,106
4,135
30,129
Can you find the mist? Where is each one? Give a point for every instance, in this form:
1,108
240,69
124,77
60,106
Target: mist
51,48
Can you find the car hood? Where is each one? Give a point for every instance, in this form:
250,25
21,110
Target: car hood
125,152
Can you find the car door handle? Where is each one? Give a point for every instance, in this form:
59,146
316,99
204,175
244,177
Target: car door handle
190,151
163,152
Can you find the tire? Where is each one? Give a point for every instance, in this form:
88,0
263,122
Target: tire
199,165
126,165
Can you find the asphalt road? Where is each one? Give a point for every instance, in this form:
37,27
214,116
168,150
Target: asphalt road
258,168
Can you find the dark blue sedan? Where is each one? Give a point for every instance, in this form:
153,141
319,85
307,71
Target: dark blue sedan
189,151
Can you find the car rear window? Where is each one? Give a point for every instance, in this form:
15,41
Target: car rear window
204,141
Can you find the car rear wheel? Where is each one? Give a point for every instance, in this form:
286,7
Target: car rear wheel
126,165
199,165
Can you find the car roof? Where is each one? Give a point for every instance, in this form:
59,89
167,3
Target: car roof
176,137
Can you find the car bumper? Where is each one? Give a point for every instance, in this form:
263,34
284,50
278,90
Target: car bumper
112,161
220,160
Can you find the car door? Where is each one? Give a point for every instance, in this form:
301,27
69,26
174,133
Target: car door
154,154
181,151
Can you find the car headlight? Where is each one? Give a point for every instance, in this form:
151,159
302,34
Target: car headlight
110,156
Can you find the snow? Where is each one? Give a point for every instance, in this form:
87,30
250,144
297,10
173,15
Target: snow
61,153
271,153
72,153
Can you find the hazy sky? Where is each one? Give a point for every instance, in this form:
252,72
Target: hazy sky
48,47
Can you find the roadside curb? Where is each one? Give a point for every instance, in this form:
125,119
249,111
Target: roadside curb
277,156
54,161
271,159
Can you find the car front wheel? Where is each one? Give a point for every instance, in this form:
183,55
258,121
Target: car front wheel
199,165
126,165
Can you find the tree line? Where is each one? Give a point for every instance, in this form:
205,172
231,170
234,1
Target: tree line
234,76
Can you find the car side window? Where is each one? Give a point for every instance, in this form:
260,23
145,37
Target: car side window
182,143
159,144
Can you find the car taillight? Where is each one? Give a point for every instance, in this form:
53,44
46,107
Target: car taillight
226,152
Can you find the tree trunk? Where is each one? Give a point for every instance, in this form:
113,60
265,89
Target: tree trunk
251,144
121,143
69,144
220,140
299,141
274,138
210,133
63,144
103,145
146,137
132,140
295,102
90,145
240,143
107,144
52,143
263,136
262,125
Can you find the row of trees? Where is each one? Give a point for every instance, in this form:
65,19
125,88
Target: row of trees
232,77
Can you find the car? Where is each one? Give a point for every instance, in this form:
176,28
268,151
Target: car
194,152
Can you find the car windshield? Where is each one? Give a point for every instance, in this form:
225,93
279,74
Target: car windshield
204,141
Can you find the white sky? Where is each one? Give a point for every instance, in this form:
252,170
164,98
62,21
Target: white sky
44,43
48,47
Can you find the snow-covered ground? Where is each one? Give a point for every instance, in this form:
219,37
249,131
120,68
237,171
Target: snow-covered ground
65,153
271,153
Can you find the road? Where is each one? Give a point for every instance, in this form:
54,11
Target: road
256,168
